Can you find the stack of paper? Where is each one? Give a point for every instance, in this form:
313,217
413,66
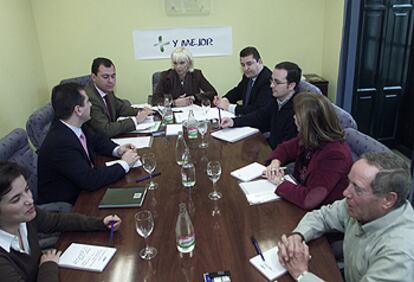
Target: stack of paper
151,129
259,191
234,134
270,267
173,129
249,172
200,114
137,164
138,142
86,257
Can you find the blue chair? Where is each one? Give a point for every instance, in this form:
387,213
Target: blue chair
14,147
345,118
305,86
82,80
360,143
38,124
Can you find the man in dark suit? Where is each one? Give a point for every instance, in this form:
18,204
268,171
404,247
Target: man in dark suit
66,163
277,115
254,88
106,107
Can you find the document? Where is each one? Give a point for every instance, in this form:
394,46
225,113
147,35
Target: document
248,172
86,257
151,129
259,191
270,267
145,124
137,164
138,142
173,129
234,134
200,114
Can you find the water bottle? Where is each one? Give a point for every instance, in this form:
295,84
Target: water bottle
184,232
180,148
188,178
192,130
168,114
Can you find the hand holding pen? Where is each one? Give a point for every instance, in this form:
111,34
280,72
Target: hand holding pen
112,222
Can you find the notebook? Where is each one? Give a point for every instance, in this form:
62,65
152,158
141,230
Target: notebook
124,197
86,257
234,134
270,267
248,172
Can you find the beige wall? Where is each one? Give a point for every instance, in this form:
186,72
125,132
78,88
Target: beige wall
22,78
71,33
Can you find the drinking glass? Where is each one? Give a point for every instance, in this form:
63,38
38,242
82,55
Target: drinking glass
144,223
168,100
202,127
205,105
214,172
149,163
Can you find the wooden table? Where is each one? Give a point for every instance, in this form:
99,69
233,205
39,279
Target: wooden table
222,240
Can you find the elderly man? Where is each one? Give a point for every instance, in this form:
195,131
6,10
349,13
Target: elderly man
376,219
66,163
254,88
106,107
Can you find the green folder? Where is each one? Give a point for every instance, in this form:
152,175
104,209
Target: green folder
124,197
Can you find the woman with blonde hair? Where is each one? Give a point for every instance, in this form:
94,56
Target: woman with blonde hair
322,158
184,83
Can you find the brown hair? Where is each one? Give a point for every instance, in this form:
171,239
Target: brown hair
316,119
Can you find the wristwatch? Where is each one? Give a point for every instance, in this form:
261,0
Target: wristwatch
301,276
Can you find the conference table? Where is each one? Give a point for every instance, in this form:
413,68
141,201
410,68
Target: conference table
223,228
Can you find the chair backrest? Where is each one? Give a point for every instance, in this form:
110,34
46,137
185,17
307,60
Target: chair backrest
14,147
155,80
360,143
345,118
305,86
38,124
82,80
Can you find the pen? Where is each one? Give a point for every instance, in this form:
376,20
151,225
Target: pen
256,246
147,177
111,232
219,112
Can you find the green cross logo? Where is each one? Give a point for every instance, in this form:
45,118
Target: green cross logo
161,44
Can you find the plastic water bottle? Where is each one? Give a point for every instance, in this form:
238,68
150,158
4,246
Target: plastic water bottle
188,177
192,130
168,114
180,148
184,232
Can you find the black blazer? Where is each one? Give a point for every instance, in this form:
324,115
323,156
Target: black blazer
64,169
261,93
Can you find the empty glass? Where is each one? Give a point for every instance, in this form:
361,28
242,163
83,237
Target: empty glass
149,163
205,105
144,223
214,173
168,100
202,128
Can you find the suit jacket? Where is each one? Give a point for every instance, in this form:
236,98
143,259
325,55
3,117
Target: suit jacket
100,120
260,96
195,84
279,122
326,175
64,169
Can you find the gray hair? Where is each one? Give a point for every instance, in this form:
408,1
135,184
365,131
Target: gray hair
393,175
182,54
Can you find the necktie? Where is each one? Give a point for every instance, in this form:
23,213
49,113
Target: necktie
248,92
108,107
82,140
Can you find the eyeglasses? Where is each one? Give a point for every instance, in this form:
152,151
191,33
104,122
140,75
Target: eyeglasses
275,82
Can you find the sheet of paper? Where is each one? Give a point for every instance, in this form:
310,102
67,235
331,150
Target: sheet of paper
137,164
249,172
193,107
259,191
173,129
234,134
151,129
145,124
271,267
138,142
200,115
86,257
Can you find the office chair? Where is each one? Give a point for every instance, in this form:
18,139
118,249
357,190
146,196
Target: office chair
82,80
14,147
305,86
360,143
38,124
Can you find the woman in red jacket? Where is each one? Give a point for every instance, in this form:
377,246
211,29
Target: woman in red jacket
322,158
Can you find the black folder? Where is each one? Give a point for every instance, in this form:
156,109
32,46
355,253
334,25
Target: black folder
123,197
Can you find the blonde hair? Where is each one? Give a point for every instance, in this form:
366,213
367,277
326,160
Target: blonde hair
182,54
317,120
